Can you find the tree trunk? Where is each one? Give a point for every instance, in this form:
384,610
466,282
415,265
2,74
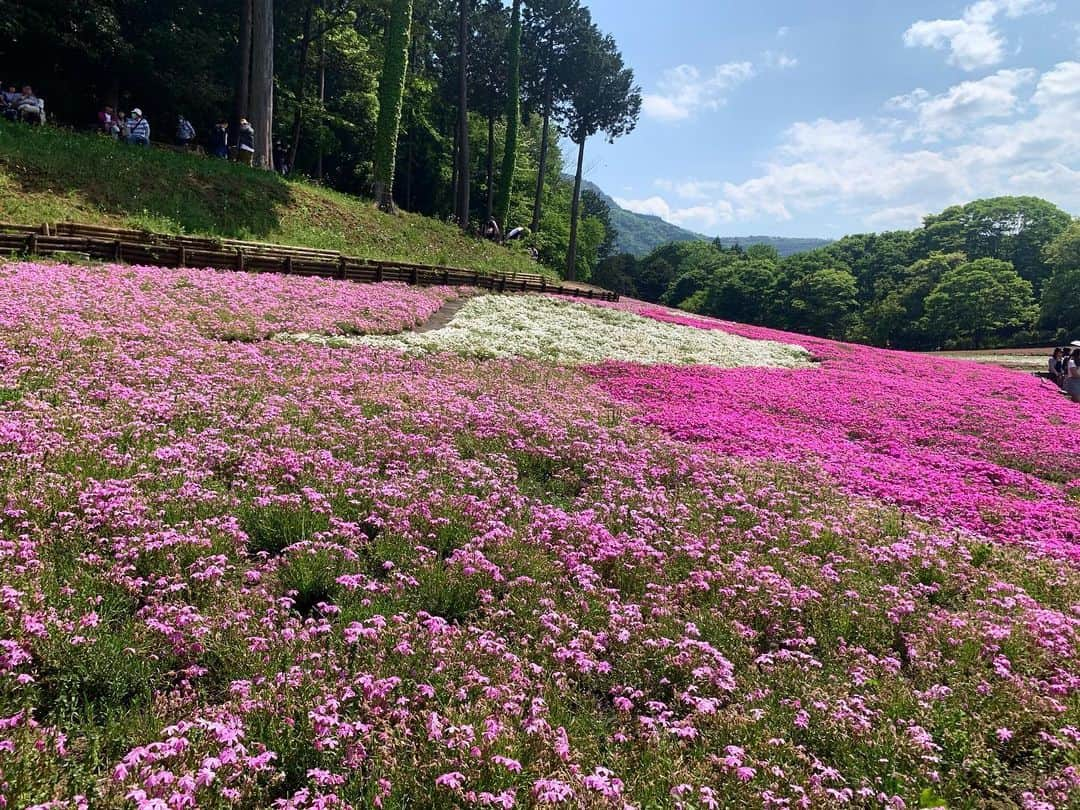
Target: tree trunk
391,89
513,119
262,82
490,168
301,85
409,162
538,204
464,172
575,208
454,170
322,104
112,98
243,75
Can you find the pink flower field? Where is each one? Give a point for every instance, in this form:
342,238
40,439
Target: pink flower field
979,447
236,572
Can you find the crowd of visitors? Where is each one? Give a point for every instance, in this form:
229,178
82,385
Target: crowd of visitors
1064,369
134,128
22,105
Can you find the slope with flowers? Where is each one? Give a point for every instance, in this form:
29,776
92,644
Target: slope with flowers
981,447
244,571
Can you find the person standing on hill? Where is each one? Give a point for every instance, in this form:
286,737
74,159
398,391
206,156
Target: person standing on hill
246,142
138,129
219,140
185,133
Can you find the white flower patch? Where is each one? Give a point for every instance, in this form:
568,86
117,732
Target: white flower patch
544,328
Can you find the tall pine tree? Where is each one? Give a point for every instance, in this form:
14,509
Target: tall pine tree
603,98
513,118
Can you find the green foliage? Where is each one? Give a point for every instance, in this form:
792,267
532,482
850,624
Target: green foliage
1012,229
822,302
595,206
742,291
908,289
272,528
1061,297
309,579
982,299
618,273
897,314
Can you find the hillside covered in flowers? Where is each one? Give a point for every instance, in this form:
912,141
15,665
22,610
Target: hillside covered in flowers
252,557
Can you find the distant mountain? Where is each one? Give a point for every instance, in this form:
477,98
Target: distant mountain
785,246
640,234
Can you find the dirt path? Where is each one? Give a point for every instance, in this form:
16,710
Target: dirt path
443,315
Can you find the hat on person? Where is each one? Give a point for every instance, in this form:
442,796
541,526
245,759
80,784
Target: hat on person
1075,344
136,111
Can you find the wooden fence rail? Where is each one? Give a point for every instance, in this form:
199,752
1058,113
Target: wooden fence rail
143,247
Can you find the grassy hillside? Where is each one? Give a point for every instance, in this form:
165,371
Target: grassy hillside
54,175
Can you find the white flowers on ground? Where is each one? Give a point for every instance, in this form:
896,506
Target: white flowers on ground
545,328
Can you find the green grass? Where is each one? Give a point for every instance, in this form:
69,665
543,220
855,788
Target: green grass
51,175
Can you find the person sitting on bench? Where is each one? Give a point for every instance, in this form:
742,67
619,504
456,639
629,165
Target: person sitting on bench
106,119
9,103
30,108
1056,368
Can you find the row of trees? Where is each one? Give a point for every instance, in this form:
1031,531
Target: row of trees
576,74
990,273
436,106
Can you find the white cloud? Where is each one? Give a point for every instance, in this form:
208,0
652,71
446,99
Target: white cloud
685,90
871,171
691,189
703,216
1059,87
902,217
973,41
650,206
778,60
782,31
953,112
909,101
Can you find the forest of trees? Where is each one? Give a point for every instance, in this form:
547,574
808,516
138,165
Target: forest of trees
995,272
441,107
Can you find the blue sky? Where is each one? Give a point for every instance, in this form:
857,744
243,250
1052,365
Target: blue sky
826,117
